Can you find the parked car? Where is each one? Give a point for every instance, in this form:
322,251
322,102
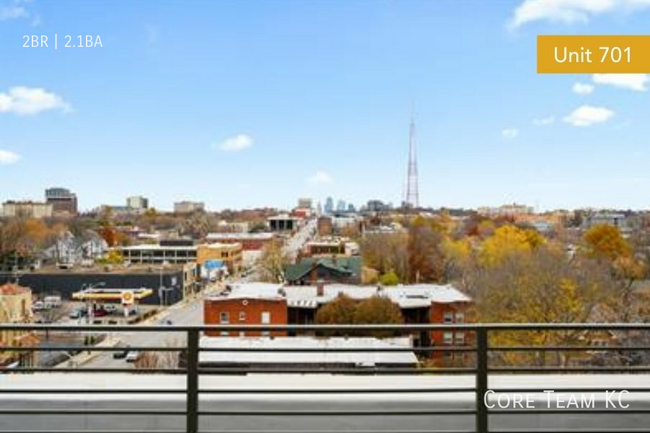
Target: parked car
38,306
110,308
99,312
52,301
122,353
77,314
132,356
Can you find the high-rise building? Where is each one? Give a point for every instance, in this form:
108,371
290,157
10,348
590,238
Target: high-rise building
63,201
329,205
137,203
340,206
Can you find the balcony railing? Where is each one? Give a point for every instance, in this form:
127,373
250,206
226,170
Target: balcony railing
483,359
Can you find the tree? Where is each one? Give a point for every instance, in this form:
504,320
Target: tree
604,241
272,262
389,279
509,241
385,252
340,311
426,257
539,286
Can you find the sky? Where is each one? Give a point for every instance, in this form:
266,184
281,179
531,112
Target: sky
256,103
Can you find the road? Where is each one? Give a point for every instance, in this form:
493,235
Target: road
183,313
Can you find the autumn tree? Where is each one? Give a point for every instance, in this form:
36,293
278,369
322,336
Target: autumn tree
386,252
340,311
389,279
426,256
272,262
604,241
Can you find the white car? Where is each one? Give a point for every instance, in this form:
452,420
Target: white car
38,306
132,356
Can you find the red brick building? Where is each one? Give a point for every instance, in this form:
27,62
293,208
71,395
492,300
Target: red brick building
248,241
257,304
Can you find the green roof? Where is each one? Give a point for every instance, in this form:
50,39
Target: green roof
342,265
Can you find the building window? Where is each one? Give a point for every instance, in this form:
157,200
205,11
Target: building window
224,333
448,317
266,318
242,316
448,338
460,317
460,338
224,317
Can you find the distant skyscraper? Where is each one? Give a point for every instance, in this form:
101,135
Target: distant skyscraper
340,206
351,208
412,198
62,200
137,203
329,205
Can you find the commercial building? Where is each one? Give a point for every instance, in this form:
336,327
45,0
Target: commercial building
511,210
27,209
248,241
16,307
189,206
180,251
229,254
305,203
178,281
63,201
137,203
324,226
283,223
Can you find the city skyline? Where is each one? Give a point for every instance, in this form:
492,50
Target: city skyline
254,104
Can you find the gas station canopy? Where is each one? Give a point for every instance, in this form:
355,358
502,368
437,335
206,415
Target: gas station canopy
117,295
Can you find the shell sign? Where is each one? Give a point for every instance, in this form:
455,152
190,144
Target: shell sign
127,297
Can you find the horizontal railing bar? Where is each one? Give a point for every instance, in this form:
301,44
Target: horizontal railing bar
408,327
91,370
89,349
340,412
566,348
342,391
631,369
354,371
339,349
591,430
92,391
133,412
243,431
567,411
567,390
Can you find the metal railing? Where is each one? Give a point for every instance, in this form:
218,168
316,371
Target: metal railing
489,358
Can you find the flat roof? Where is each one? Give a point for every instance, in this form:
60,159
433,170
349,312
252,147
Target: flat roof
252,236
406,296
361,359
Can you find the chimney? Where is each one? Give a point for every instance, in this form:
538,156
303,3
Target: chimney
320,288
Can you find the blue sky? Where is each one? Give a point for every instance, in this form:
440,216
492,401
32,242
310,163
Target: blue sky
253,103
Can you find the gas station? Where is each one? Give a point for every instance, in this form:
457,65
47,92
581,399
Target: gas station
128,298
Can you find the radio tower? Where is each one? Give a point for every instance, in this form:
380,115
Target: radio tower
412,196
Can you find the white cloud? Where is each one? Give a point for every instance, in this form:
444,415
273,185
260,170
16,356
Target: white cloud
320,177
510,133
570,11
582,88
7,157
16,10
237,143
544,121
635,82
587,115
26,101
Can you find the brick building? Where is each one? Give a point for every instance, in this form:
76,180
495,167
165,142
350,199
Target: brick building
259,303
250,304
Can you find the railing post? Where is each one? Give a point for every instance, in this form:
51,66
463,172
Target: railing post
481,380
192,366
